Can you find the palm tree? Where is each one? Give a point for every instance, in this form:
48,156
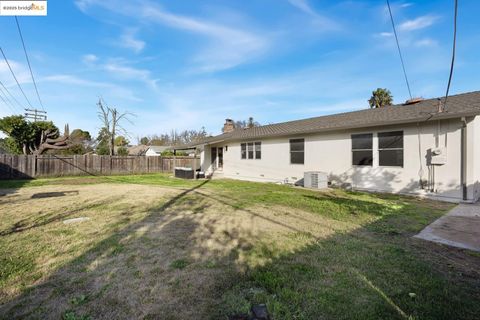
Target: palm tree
380,98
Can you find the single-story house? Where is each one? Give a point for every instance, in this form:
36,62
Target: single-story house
138,150
418,148
157,150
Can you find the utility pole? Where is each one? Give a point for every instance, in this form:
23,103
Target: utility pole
36,115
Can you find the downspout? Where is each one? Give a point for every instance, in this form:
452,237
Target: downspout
463,159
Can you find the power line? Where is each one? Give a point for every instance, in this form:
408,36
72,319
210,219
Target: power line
13,74
453,54
28,61
11,95
399,50
7,101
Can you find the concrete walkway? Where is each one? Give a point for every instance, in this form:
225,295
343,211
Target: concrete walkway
458,228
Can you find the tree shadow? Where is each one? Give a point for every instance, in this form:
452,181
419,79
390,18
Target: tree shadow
186,260
354,206
48,217
42,195
363,274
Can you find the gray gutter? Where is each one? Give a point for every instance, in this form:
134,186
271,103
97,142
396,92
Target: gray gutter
359,126
438,116
463,159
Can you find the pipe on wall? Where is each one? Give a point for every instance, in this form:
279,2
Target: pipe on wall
463,159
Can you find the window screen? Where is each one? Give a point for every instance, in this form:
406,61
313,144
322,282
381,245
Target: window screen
258,150
243,150
250,150
297,151
362,153
390,149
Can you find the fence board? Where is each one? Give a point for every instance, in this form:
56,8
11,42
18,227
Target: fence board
30,166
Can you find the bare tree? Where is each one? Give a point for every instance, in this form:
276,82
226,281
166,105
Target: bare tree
176,138
111,121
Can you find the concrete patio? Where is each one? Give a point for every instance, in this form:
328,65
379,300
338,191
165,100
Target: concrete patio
459,228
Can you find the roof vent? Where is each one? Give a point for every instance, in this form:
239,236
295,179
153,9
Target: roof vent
414,100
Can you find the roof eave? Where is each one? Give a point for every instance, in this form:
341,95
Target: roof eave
441,116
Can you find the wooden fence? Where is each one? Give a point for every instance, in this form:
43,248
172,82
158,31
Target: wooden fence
24,167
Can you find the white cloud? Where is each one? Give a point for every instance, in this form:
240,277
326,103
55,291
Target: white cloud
118,68
70,79
302,5
20,70
83,4
124,71
427,42
25,80
384,34
89,59
319,21
228,46
312,91
128,40
106,88
418,23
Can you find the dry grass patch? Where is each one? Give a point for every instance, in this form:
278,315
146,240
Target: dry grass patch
206,250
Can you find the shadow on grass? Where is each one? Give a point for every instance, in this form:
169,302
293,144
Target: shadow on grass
48,217
8,187
354,206
176,264
57,194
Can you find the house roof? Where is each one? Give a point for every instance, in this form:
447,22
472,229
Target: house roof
137,150
466,104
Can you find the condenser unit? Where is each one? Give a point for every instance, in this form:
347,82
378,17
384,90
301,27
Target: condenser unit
315,180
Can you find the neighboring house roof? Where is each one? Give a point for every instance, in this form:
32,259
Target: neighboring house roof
159,149
466,104
137,150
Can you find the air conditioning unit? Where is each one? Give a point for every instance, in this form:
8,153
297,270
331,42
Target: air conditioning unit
438,156
315,180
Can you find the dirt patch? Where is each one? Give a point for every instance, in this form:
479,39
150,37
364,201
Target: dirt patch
125,259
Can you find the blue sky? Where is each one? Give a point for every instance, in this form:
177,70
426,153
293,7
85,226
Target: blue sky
187,64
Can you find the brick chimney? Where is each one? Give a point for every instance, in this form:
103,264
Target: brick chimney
229,126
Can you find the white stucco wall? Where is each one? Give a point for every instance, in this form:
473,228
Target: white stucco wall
474,138
331,153
152,153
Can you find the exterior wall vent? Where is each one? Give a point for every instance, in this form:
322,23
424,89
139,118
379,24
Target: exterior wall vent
315,180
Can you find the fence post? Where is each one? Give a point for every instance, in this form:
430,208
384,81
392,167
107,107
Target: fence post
174,160
194,165
35,167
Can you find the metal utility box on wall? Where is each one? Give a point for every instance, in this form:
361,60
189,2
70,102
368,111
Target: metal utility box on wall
315,180
438,156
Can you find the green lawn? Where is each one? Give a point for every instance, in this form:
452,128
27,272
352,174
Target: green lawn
157,247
